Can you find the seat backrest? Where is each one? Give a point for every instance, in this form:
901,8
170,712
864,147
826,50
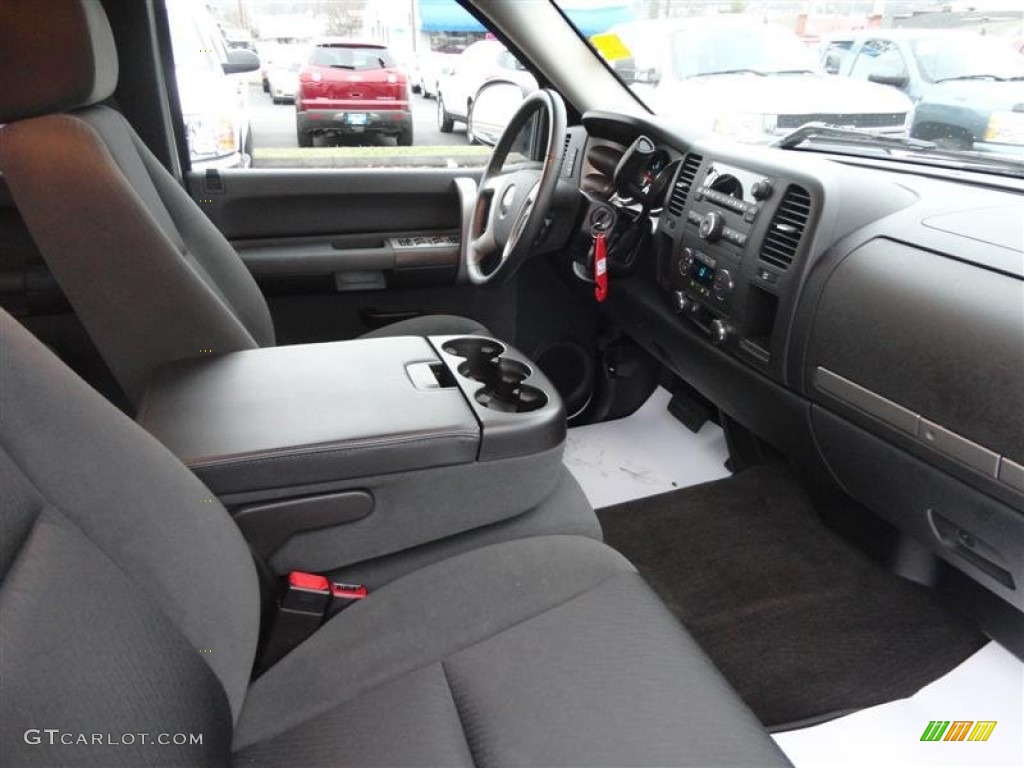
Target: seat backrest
151,278
128,598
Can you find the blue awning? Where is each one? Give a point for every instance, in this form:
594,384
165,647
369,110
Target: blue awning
446,16
591,21
449,16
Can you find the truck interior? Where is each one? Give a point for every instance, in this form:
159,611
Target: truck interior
311,466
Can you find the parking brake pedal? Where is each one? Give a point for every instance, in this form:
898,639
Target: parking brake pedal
688,410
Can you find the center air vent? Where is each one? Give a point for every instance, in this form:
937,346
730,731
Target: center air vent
786,228
676,203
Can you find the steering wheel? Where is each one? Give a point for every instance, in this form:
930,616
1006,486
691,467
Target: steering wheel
512,204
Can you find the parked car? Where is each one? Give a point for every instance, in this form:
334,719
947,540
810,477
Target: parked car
350,87
427,71
235,37
462,78
494,104
752,81
967,89
267,51
283,73
214,101
832,51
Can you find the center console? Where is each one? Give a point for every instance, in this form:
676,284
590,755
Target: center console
341,452
731,235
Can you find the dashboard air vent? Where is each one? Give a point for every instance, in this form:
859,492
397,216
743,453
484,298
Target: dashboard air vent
786,228
676,203
568,161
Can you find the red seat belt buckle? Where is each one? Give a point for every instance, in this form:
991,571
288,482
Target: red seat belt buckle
343,595
600,267
348,591
309,599
307,593
312,582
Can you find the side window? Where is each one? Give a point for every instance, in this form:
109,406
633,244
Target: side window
834,56
337,86
879,58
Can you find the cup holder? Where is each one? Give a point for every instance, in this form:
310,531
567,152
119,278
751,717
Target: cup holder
521,398
474,349
503,388
495,371
502,377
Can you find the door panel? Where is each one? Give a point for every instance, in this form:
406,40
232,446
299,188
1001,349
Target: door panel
259,203
341,251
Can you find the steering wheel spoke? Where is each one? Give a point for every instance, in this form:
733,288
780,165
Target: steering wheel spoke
482,246
490,184
522,219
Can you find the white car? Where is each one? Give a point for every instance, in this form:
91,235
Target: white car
751,81
462,78
427,71
283,73
214,100
494,105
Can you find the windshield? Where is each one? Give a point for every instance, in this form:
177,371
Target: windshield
946,58
758,70
738,49
196,43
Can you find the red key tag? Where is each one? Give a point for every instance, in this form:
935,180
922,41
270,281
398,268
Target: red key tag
600,268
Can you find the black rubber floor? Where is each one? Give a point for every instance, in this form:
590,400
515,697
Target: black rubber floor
803,625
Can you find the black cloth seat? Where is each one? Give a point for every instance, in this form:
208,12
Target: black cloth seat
150,277
129,605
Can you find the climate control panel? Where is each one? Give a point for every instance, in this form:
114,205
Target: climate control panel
702,289
704,276
719,214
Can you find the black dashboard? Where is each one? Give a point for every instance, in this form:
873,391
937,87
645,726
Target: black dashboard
863,317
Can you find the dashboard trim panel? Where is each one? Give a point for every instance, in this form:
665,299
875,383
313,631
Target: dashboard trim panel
870,402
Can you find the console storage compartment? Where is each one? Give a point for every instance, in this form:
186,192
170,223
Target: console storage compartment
329,454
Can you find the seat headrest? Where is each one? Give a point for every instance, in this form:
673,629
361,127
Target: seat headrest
54,57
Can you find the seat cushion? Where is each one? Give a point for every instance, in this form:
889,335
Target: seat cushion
430,325
543,651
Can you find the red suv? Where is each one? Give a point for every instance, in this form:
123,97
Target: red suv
351,87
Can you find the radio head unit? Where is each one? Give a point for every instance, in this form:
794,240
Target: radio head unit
734,187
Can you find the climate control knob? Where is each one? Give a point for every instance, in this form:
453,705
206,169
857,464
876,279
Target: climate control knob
762,190
685,261
723,285
711,226
681,301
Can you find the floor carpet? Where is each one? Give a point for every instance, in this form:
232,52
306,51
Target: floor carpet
803,625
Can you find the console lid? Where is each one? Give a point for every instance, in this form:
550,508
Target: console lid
297,415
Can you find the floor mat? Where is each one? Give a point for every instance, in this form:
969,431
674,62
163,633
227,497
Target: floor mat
616,461
799,622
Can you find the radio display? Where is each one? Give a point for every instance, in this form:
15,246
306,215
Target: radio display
702,273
